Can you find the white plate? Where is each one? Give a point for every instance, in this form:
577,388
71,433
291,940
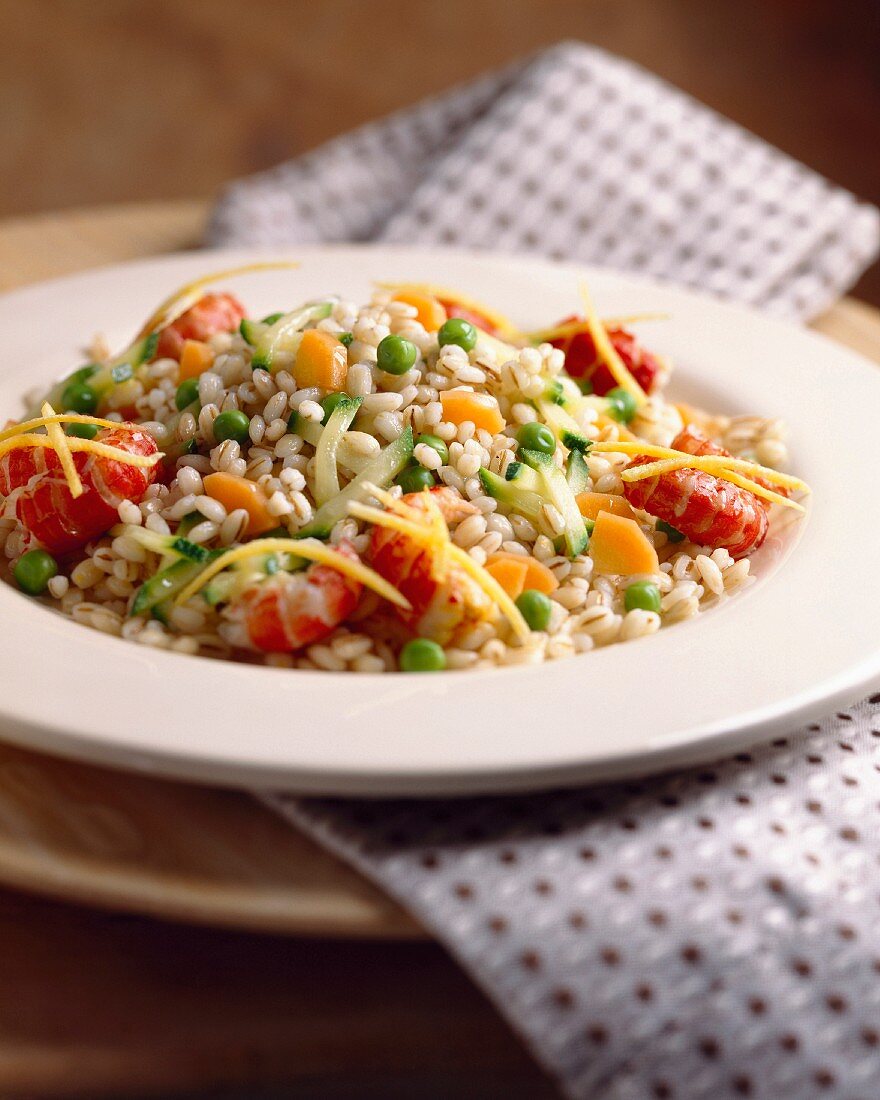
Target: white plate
802,640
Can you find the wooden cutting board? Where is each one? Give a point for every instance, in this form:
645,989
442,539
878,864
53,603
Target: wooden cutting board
168,849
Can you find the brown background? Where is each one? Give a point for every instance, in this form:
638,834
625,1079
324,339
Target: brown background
111,100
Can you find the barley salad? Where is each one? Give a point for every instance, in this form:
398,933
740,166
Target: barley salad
411,484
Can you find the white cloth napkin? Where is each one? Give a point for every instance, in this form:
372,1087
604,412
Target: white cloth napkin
717,933
576,155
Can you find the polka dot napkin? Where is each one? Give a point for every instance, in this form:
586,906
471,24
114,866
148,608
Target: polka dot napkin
711,934
575,155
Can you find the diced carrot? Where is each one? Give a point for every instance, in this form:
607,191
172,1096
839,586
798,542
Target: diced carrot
195,358
321,360
237,492
538,576
510,572
429,311
591,504
479,408
618,546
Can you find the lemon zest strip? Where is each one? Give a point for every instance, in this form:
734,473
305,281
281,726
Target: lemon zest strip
311,550
59,444
607,352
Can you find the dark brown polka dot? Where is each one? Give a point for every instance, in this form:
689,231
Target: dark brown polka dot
598,1034
587,854
430,861
705,822
734,916
508,856
849,833
464,891
779,743
699,882
543,887
836,1003
662,1090
497,925
657,917
849,781
610,956
622,884
563,998
814,758
824,1078
778,828
802,968
691,954
846,932
743,758
644,992
669,800
776,885
744,800
577,920
742,1085
629,825
707,778
813,806
710,1047
663,852
870,1036
757,1006
845,746
531,960
789,1042
741,851
778,779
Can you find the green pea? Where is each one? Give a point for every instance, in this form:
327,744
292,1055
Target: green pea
415,478
232,424
644,595
346,338
82,431
621,404
535,608
187,392
457,331
422,655
536,437
435,443
396,355
34,570
79,398
672,533
329,404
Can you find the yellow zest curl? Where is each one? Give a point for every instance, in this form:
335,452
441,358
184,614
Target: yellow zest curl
311,550
59,444
178,302
434,536
606,351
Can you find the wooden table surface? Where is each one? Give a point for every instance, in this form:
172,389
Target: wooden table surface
102,1005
